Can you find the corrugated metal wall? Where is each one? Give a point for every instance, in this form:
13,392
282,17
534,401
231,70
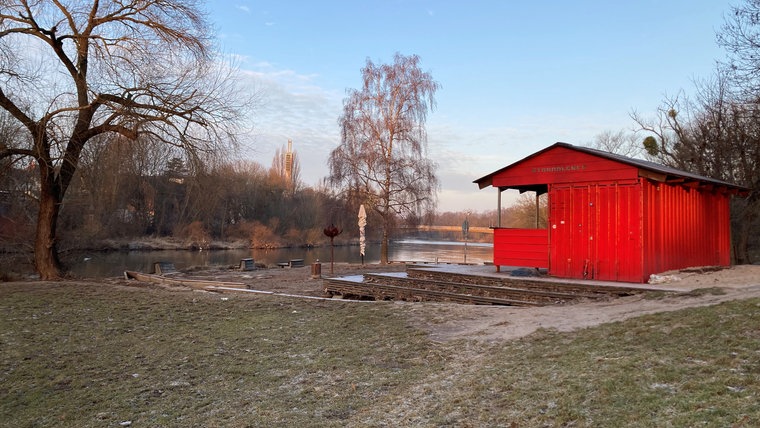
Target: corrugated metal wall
685,227
626,231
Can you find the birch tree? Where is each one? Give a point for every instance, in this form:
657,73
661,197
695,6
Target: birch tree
382,157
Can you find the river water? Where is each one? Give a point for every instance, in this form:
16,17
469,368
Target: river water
99,265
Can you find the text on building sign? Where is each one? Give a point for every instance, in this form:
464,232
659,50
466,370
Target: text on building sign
565,168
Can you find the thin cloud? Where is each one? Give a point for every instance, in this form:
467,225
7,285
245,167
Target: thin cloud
293,108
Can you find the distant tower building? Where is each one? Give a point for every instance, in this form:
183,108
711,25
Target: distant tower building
289,162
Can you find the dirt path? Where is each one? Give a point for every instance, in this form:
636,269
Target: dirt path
494,323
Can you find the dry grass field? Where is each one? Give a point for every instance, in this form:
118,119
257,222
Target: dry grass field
113,353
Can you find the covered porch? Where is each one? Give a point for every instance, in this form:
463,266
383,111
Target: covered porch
521,246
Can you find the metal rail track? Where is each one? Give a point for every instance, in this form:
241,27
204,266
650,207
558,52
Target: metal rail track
526,283
543,297
431,285
336,286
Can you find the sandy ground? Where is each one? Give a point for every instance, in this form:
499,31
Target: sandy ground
495,323
446,321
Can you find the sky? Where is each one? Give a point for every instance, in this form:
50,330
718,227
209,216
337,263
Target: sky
515,76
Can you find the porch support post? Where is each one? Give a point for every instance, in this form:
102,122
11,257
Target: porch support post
498,217
498,203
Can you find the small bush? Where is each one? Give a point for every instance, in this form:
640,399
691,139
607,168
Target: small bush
264,237
194,233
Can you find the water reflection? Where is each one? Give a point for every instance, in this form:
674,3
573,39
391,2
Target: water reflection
97,265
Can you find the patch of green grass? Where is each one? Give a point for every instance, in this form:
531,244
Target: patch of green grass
86,355
709,291
698,292
657,295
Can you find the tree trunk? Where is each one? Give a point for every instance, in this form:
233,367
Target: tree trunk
747,218
45,244
741,245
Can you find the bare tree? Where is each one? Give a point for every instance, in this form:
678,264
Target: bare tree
715,134
74,70
708,134
694,134
620,142
530,211
740,36
381,160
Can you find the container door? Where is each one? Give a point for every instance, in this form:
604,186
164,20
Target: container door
572,229
611,221
558,199
584,228
595,232
628,245
618,233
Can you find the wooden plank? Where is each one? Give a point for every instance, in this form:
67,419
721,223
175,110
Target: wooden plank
525,282
192,283
531,295
391,292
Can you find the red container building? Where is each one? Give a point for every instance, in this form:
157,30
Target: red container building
612,217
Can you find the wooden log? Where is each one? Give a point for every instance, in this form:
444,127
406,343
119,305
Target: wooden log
198,284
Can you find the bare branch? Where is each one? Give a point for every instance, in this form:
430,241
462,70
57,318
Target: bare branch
131,68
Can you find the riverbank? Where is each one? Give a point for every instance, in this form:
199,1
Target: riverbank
17,263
